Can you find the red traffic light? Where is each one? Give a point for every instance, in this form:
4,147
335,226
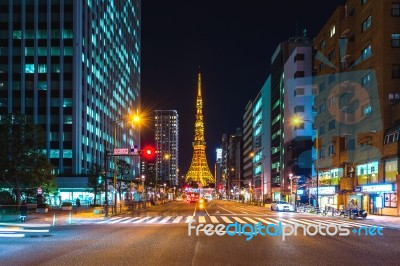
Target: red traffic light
148,153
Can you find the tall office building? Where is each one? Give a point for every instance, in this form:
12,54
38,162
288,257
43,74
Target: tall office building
279,180
75,67
167,147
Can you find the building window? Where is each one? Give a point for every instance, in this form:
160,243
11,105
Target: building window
321,153
366,24
392,137
332,55
322,44
366,80
322,108
396,40
391,170
366,109
299,74
331,78
331,124
396,71
366,52
299,91
396,9
332,31
321,130
299,57
331,101
299,109
321,66
331,149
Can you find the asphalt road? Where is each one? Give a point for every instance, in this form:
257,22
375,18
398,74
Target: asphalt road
156,237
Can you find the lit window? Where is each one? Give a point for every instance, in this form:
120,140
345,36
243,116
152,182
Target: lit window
395,40
367,109
331,149
366,24
332,31
366,80
366,52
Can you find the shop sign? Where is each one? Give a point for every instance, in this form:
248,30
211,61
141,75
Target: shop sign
377,188
324,190
357,189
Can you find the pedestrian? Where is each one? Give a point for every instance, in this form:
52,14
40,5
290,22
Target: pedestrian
78,202
23,209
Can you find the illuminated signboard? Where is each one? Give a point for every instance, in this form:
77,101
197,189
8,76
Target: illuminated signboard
219,155
324,190
376,188
366,169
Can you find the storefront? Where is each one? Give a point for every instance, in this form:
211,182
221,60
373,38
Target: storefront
380,199
327,196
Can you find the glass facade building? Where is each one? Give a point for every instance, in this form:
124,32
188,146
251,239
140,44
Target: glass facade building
75,67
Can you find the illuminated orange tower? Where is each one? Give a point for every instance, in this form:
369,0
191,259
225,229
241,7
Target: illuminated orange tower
199,171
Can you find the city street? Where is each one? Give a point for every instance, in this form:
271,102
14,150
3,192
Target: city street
159,236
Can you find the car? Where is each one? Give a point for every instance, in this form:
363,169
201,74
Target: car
282,206
194,197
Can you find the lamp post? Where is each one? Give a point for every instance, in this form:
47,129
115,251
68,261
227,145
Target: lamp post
134,119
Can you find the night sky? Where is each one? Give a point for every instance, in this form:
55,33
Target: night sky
232,41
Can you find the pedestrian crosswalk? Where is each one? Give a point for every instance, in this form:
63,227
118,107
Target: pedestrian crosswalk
228,220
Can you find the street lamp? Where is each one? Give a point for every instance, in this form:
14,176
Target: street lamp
135,119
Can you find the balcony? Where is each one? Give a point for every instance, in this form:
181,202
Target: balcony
346,27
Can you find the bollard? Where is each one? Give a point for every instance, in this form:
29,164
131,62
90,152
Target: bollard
54,218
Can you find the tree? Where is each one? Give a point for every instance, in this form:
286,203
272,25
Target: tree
24,165
95,180
123,169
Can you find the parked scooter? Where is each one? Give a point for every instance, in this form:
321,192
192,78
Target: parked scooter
358,213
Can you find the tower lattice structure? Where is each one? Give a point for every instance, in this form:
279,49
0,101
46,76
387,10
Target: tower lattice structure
199,171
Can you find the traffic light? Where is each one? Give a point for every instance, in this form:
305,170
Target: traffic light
99,180
148,153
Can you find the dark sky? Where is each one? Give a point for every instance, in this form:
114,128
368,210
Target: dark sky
232,41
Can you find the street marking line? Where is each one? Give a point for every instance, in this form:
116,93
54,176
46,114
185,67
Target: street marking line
317,222
214,219
177,219
303,222
276,221
251,220
130,220
226,210
189,219
202,219
153,220
226,219
286,221
354,224
118,220
109,220
239,220
264,221
165,219
141,220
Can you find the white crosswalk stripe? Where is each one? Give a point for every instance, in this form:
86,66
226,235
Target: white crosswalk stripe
230,219
202,219
251,220
177,219
189,219
214,220
130,220
239,220
141,220
226,219
153,220
165,219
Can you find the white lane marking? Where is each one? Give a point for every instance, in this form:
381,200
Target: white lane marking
214,219
109,220
202,219
141,220
226,219
165,219
264,221
189,219
251,220
177,219
226,210
276,221
153,220
119,220
239,220
130,220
